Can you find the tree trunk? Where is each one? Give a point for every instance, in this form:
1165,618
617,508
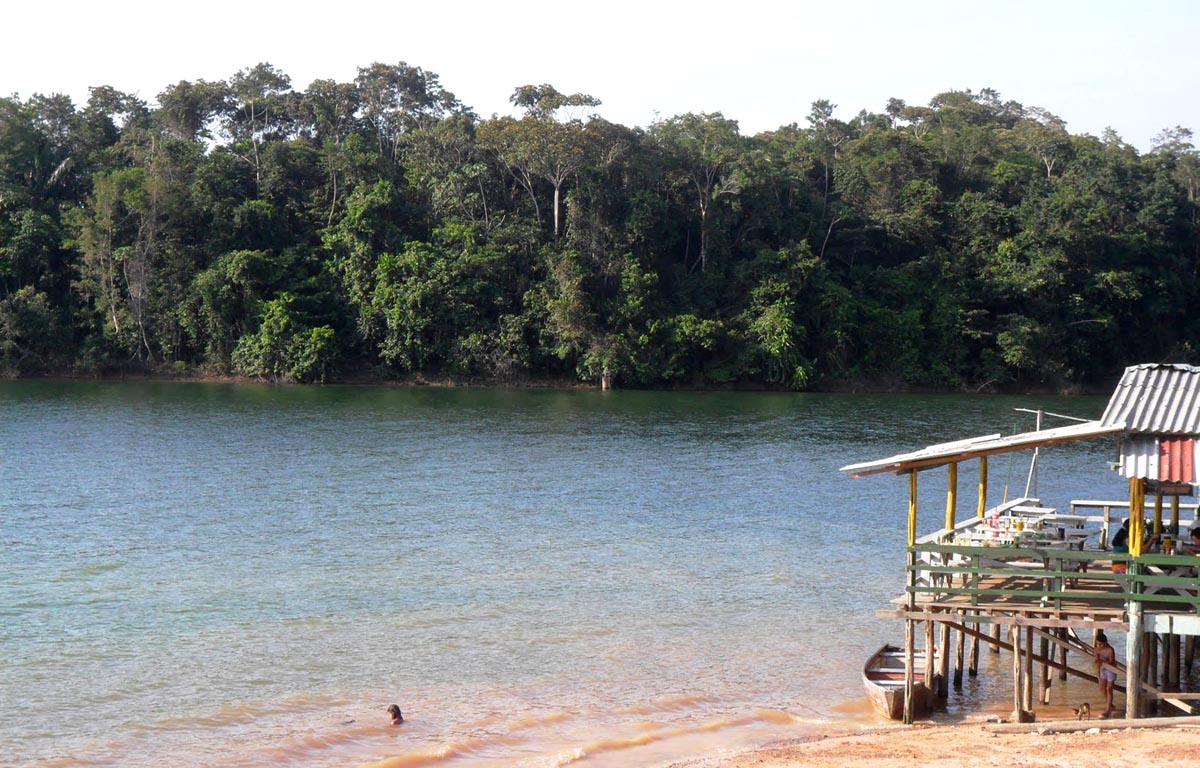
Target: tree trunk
556,193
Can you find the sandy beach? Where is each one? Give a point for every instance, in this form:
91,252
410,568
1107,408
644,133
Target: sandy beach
977,746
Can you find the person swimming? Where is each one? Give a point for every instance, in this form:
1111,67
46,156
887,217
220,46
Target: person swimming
395,713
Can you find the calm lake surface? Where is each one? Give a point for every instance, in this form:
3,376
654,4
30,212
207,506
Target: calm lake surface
234,575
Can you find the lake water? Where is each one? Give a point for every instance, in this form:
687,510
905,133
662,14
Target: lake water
235,575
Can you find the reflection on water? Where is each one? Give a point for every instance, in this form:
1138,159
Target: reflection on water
241,575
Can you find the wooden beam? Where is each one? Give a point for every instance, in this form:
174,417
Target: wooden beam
1000,645
1069,726
1177,700
909,462
998,621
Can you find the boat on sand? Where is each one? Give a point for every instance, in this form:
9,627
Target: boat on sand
883,682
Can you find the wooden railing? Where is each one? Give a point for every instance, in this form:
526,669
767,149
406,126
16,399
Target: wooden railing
1050,576
1167,579
1106,517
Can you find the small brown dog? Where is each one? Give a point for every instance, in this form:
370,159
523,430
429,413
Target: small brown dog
397,716
1084,712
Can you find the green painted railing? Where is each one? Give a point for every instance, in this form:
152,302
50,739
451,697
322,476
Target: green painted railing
1053,575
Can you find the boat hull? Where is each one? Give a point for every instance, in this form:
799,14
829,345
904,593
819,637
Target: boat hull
883,683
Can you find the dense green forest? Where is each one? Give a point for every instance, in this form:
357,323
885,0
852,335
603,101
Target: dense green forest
379,229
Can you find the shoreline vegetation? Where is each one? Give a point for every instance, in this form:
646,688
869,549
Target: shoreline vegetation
380,230
417,382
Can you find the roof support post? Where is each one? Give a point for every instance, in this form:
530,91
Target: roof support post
951,494
912,507
982,486
1137,511
1158,513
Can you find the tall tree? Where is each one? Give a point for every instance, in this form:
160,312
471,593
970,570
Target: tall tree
705,156
258,110
541,147
398,99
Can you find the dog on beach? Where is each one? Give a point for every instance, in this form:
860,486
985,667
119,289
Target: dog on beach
1084,712
396,715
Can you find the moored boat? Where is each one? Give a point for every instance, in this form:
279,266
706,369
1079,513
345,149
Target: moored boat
883,682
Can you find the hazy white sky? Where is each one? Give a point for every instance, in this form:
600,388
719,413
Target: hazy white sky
1134,66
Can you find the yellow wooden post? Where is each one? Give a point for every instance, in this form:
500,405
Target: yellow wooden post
1158,513
951,495
982,485
1137,510
1132,516
912,507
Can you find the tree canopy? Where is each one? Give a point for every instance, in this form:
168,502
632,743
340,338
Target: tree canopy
380,229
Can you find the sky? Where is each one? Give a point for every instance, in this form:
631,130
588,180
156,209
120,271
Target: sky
1132,66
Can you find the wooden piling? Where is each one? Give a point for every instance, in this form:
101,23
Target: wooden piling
909,677
930,657
1015,636
1027,685
1153,642
1172,676
1133,662
1047,675
1150,668
973,659
958,660
909,624
943,682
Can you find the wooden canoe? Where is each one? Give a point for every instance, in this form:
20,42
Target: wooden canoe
883,682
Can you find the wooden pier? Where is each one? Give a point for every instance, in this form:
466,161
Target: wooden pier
1044,604
1039,583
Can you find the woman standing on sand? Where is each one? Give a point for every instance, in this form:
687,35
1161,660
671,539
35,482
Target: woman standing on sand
1106,657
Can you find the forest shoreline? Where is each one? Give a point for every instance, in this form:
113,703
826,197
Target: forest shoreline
381,225
846,387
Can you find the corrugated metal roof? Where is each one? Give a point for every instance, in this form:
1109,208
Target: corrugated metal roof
1157,399
1172,460
1177,459
1151,399
961,450
1139,457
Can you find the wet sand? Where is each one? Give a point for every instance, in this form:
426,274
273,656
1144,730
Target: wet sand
974,745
